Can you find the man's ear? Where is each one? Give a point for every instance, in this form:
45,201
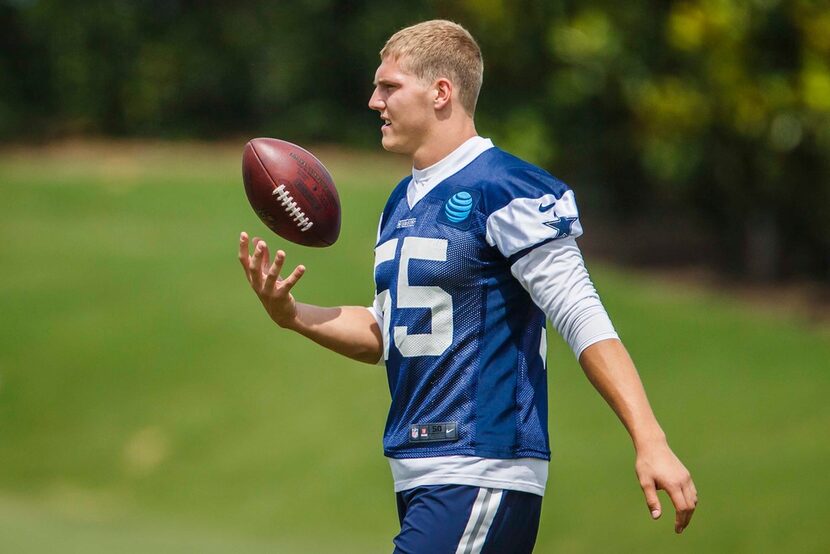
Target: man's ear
443,92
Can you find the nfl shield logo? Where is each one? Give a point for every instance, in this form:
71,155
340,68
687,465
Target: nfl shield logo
414,432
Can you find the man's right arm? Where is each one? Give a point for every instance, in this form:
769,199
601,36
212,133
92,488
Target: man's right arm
348,330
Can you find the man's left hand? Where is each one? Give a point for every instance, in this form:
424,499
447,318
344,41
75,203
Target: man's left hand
658,468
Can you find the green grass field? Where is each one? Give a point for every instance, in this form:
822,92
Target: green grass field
148,405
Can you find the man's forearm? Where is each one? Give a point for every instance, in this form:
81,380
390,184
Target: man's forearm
348,330
610,369
612,372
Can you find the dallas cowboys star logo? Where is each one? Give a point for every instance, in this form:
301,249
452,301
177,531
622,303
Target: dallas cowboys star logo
562,226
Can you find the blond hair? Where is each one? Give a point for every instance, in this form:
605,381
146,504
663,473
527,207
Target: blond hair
440,48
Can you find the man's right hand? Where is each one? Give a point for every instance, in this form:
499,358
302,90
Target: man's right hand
264,277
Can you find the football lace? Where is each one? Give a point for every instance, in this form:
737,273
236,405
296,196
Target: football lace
292,209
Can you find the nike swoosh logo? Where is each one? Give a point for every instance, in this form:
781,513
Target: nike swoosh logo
546,208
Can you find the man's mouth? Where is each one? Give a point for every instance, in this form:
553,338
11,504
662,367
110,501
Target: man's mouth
386,122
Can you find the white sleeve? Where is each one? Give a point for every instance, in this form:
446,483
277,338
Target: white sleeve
555,276
378,315
377,311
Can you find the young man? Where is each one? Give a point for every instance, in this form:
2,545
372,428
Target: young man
475,249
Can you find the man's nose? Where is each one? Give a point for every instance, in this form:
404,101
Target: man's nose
375,103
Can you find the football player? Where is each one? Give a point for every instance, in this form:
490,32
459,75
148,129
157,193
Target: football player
475,250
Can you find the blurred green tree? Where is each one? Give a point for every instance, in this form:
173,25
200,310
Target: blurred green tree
716,111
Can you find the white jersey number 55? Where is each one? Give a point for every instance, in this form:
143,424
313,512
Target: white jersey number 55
436,299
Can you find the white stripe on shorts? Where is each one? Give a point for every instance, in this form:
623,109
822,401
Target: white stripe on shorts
484,511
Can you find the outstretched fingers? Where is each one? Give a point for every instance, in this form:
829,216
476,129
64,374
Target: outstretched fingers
264,277
292,279
256,264
266,256
274,270
244,255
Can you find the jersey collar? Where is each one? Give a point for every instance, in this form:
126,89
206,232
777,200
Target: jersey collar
424,180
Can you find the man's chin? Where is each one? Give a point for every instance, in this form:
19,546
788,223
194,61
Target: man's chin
392,146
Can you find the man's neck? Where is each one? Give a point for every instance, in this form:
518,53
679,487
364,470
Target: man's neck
441,144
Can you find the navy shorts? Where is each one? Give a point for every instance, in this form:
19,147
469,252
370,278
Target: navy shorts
460,519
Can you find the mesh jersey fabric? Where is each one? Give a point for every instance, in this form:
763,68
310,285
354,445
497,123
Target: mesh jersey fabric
462,337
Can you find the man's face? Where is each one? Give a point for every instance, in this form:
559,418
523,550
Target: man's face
406,106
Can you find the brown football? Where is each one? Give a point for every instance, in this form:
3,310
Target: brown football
291,192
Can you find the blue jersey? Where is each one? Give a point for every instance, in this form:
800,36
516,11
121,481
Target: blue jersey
463,341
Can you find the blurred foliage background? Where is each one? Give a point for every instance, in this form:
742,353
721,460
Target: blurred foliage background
148,405
708,118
